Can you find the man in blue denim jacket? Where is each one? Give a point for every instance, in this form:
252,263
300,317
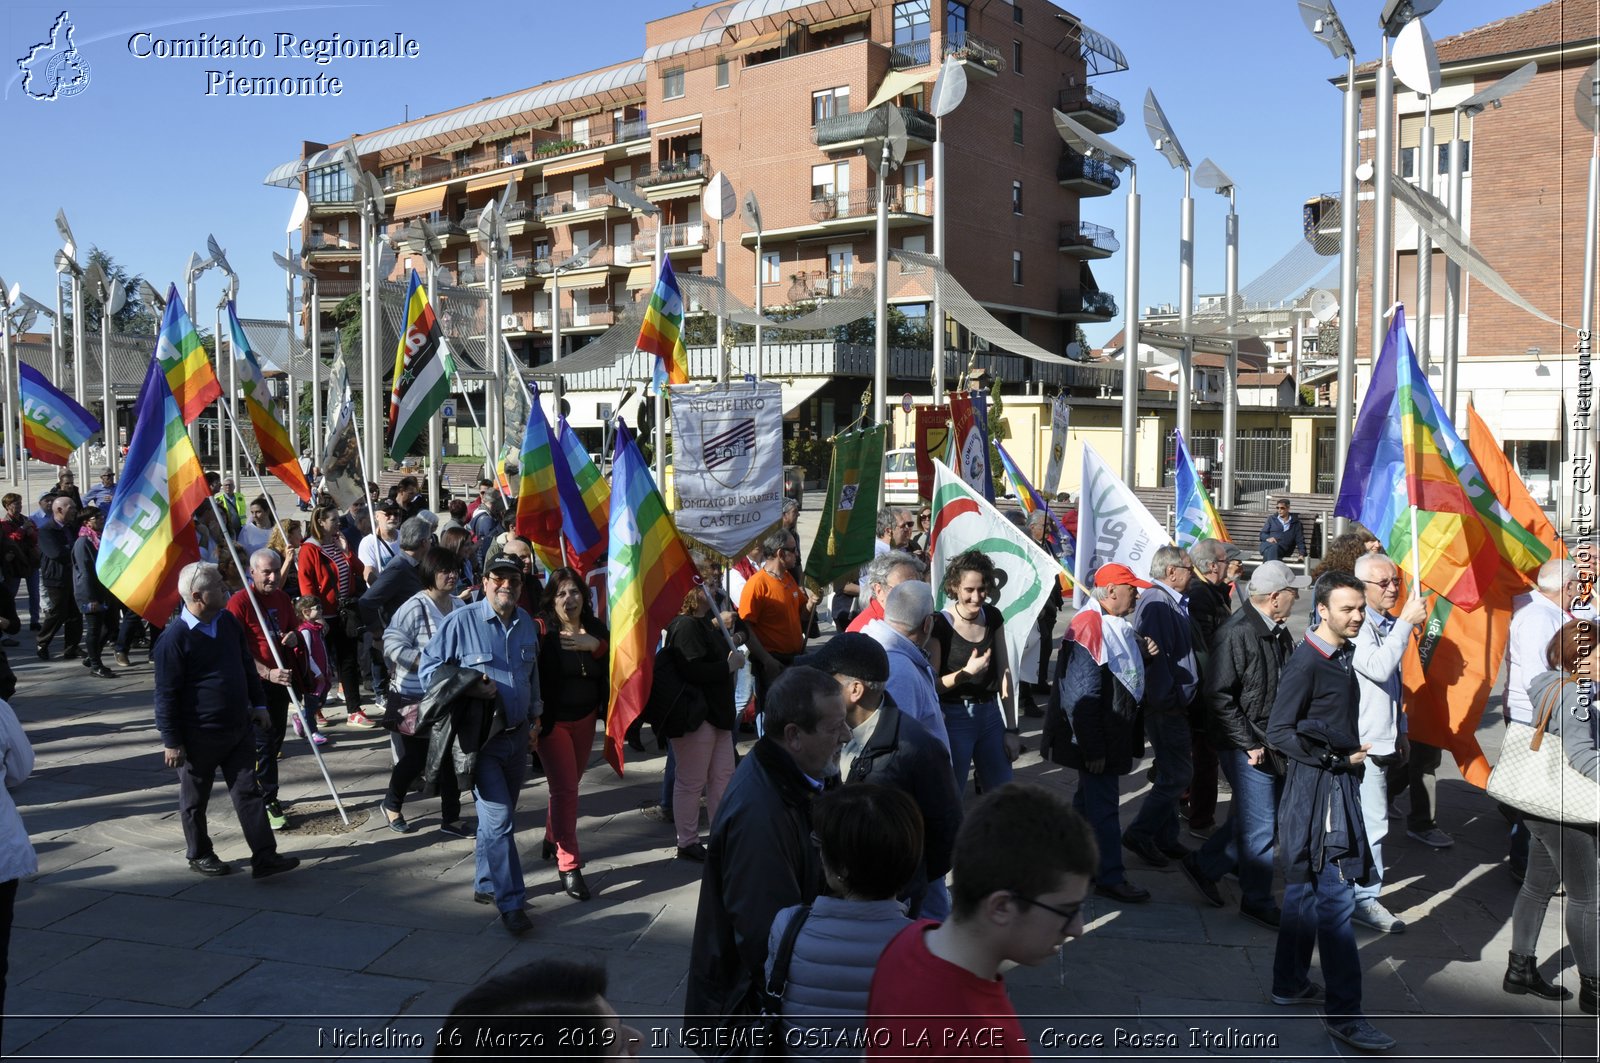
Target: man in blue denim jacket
497,638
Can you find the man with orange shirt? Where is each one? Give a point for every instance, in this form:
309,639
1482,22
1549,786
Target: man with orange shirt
1021,870
774,606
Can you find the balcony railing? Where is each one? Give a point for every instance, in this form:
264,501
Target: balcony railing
671,170
856,204
1075,167
858,125
631,129
567,202
578,317
910,54
517,211
964,46
1090,303
330,242
685,234
1084,234
1074,100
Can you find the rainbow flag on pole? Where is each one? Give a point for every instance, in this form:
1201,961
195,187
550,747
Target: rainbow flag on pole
53,425
662,331
183,359
585,500
1196,517
648,572
276,450
149,530
1063,546
538,504
1404,453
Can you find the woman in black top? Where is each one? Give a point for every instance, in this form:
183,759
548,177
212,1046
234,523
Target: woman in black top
700,719
575,684
968,652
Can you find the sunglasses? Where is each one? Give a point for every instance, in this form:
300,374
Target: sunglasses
1384,583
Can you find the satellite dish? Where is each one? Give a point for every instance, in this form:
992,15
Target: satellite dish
283,263
385,261
25,322
1161,134
1587,99
886,123
1323,305
1209,175
195,265
119,298
1491,96
149,296
1088,143
64,263
949,88
94,276
1323,22
508,195
578,259
1075,351
214,247
373,189
750,211
297,216
719,199
629,198
1415,60
35,305
488,224
69,245
14,292
1364,171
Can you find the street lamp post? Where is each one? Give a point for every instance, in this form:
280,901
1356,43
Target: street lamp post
1209,175
948,91
314,329
1166,142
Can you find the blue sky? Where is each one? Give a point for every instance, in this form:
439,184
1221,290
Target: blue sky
146,164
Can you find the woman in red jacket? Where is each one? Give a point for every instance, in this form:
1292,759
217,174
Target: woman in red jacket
331,574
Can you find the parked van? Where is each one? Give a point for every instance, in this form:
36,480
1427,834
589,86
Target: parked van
900,478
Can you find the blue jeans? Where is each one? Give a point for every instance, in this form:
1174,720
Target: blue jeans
1096,798
1171,744
1246,842
1374,794
1317,913
977,736
501,770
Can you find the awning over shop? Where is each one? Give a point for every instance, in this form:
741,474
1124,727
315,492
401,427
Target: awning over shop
422,201
557,169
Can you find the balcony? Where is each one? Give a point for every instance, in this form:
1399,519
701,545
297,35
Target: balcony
631,129
574,205
343,203
910,54
976,54
1086,176
1083,240
578,318
686,236
1084,305
674,177
328,246
1091,107
847,132
861,203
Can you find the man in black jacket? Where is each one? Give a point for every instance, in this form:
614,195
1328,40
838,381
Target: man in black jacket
1282,535
207,696
1322,839
761,858
891,749
56,538
1209,608
1239,687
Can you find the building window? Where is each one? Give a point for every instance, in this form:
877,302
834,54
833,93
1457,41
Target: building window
330,184
1016,197
672,83
1016,12
462,158
830,185
580,130
955,24
830,102
771,267
911,21
1016,127
1016,267
919,244
841,268
1016,56
722,71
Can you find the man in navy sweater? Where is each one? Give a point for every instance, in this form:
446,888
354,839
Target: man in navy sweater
209,700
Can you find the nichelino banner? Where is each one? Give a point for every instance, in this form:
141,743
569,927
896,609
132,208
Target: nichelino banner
727,463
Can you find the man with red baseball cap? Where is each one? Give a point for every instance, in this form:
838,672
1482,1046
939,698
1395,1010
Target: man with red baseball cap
1091,723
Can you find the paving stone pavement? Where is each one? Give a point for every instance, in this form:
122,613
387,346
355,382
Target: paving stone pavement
120,952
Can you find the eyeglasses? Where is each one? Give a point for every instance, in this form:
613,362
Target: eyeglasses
908,524
1069,914
1384,583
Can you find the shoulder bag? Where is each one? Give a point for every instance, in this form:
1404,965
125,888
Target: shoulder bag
1533,774
768,1025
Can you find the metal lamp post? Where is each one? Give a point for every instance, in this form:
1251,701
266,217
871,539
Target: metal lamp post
1209,175
1092,145
67,262
112,296
889,125
948,91
1166,142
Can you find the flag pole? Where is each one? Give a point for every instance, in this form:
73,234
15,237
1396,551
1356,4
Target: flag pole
1416,557
255,470
261,618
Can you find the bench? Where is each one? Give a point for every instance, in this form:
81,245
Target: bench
1244,522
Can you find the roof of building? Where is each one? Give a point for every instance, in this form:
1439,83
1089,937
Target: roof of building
1546,26
1262,380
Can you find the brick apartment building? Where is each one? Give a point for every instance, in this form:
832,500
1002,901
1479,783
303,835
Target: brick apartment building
773,94
1526,166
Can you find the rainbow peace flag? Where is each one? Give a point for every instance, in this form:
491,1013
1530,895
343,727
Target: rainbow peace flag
662,331
1062,546
184,361
149,531
1196,517
1405,453
585,500
538,504
276,450
53,425
648,572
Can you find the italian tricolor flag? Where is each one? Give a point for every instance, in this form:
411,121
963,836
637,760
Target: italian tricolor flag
422,371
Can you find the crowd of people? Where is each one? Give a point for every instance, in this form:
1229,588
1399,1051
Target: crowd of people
848,882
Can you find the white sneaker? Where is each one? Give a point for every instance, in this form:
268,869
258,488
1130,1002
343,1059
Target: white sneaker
1374,915
1433,837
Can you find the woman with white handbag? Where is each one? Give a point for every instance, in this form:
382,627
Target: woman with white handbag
1552,773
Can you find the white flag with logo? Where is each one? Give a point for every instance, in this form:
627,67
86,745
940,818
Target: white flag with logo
1060,413
1113,525
964,520
727,462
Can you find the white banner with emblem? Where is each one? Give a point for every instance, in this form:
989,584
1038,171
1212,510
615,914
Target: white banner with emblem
727,463
1060,415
